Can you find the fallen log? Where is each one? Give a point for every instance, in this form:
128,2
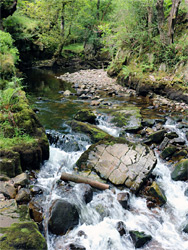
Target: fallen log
80,179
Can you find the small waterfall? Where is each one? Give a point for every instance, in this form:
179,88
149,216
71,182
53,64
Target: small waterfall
105,125
172,126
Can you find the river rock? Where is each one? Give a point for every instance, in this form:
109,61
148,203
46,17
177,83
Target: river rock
75,246
23,195
85,115
63,217
157,137
119,161
139,238
168,152
7,190
129,118
185,230
121,228
172,135
155,195
86,192
21,180
123,199
67,93
186,192
23,235
35,209
148,122
180,172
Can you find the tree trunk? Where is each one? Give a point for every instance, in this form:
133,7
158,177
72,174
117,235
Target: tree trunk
161,20
172,20
150,14
98,10
80,179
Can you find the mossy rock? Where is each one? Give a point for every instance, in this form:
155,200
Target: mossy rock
168,152
180,172
22,236
157,137
23,135
92,131
86,115
128,117
156,194
139,238
10,163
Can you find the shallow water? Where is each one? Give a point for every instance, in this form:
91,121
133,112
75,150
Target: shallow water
99,218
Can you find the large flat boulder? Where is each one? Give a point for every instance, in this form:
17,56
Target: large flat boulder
120,162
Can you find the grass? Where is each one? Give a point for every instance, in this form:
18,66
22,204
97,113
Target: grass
7,143
74,48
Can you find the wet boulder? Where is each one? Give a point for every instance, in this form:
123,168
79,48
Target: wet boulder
155,195
185,229
157,137
121,228
119,161
23,235
63,217
180,172
86,115
92,131
75,246
139,238
123,199
86,192
168,152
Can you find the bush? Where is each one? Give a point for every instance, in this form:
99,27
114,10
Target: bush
9,56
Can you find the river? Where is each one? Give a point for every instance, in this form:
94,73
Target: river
98,219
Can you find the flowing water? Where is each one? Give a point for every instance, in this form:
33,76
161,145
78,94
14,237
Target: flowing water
99,218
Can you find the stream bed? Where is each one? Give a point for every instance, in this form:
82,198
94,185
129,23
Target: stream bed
98,219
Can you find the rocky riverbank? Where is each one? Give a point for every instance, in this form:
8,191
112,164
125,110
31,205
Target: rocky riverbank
23,147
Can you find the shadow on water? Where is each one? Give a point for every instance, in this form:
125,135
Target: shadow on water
44,92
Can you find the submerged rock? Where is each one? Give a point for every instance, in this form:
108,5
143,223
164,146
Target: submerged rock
23,235
180,172
119,161
139,238
85,115
63,217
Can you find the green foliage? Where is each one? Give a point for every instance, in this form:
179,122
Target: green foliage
9,56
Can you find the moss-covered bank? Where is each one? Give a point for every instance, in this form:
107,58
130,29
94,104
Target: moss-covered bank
23,142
